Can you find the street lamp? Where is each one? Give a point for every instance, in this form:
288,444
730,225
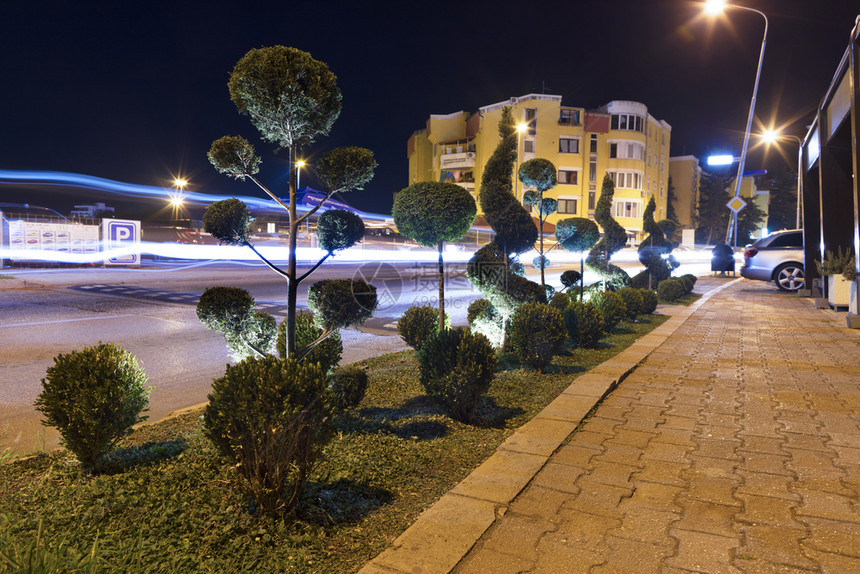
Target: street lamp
299,165
177,197
771,137
521,129
716,7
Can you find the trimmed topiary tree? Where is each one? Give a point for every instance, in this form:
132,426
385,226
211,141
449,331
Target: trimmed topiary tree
540,174
576,234
457,367
494,269
291,99
432,213
537,334
93,397
327,354
614,238
230,311
584,323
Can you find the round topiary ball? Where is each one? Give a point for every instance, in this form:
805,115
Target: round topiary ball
671,289
418,323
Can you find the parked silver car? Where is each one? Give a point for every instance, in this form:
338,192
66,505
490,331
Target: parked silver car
778,258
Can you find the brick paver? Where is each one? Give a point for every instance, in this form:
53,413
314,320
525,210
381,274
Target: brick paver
734,447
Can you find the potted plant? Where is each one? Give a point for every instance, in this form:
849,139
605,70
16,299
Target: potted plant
839,268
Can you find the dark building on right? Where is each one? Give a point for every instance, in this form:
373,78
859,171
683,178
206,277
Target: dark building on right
830,166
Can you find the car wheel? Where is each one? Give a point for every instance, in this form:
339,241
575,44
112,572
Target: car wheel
789,277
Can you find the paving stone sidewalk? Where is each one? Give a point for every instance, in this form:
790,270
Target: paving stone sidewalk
734,447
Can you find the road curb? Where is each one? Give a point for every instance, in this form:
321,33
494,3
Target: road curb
444,533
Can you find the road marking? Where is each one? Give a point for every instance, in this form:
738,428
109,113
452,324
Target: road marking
64,321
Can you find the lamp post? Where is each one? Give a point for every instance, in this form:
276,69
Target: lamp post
299,165
716,7
521,129
771,136
177,198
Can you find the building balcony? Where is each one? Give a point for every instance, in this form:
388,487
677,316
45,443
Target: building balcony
457,160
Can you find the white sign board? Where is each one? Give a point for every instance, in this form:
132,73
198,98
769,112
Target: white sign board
26,238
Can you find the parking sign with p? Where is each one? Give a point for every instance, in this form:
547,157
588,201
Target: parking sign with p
121,241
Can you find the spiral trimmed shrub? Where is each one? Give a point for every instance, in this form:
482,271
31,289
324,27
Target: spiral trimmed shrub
347,386
537,334
671,289
457,367
327,354
584,324
649,301
93,397
476,308
418,323
267,416
632,300
612,306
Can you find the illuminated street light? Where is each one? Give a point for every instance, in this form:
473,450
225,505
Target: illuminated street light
177,197
721,159
299,165
716,7
771,137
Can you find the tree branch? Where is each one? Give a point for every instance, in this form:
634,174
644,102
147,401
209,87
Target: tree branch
317,206
271,265
269,193
305,351
314,268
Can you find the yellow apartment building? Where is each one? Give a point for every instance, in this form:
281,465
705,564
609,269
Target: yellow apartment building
686,174
620,138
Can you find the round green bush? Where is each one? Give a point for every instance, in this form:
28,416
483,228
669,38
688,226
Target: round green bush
612,306
537,334
457,367
570,278
267,416
341,303
327,354
224,309
347,386
93,397
689,281
632,300
649,301
584,323
671,289
418,323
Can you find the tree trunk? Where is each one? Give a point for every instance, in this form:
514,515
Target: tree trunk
540,219
441,291
292,284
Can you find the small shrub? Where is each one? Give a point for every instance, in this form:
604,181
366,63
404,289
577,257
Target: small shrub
584,323
341,303
612,306
418,323
486,321
93,397
267,416
327,353
230,311
457,367
671,289
347,386
649,301
537,334
689,281
632,300
560,301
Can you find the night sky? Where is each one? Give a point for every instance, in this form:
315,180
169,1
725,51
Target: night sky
137,91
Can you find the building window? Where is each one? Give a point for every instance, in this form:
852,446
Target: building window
568,145
627,150
531,113
626,209
592,197
627,122
593,143
568,176
626,179
568,206
592,171
569,117
528,146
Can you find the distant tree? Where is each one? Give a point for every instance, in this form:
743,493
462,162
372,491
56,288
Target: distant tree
614,238
712,217
540,174
577,234
671,214
652,251
432,213
750,219
782,208
291,99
